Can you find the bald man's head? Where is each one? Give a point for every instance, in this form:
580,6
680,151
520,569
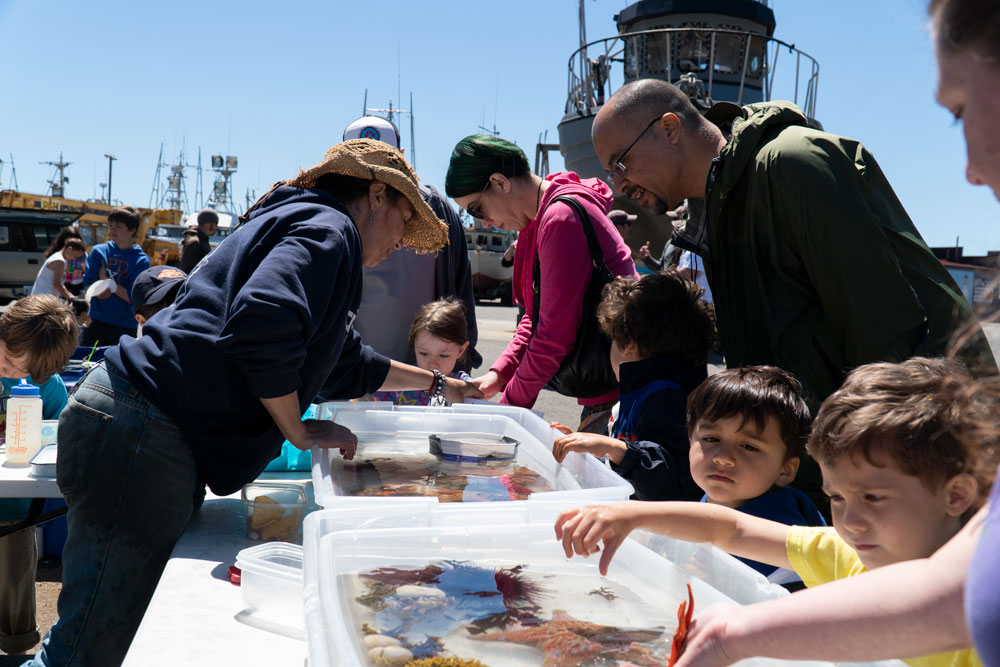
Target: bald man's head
638,102
655,144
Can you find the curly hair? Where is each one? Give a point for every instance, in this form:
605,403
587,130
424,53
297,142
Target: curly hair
926,415
662,313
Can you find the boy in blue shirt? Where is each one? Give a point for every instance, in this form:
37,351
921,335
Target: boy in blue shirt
37,337
120,259
748,429
661,333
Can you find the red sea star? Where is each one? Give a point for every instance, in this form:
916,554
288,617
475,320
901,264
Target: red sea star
566,641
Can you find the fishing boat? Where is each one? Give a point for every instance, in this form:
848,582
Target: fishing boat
713,50
490,278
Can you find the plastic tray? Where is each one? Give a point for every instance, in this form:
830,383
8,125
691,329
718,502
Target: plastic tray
271,584
338,543
579,477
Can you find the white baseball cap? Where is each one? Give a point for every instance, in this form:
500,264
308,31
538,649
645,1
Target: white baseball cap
373,127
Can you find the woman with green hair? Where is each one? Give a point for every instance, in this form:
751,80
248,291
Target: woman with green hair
490,178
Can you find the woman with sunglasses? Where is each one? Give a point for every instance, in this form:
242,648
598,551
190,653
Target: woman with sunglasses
490,178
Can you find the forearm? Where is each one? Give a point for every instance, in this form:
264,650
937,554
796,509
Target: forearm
404,377
284,410
904,610
732,531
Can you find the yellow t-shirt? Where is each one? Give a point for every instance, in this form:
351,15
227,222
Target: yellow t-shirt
818,555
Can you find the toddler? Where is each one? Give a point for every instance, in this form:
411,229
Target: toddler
439,337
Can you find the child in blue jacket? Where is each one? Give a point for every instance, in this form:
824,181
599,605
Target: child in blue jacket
37,337
661,333
121,260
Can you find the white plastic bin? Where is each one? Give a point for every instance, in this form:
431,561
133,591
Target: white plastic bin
271,584
340,543
580,477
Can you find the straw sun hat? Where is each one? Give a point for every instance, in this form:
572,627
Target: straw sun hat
378,161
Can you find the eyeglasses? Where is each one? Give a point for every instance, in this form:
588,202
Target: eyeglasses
475,212
618,168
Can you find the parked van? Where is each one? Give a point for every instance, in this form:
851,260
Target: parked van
25,235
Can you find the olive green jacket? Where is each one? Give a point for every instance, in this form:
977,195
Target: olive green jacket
814,265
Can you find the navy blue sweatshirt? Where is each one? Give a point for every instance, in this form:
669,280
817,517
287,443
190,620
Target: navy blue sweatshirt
651,420
269,312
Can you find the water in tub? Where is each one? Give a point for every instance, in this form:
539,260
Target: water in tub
403,466
504,613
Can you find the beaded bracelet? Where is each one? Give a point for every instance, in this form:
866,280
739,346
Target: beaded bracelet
437,389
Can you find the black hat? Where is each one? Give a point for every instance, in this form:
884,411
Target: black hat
620,217
156,285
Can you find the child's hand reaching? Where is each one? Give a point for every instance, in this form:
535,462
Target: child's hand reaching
582,530
598,445
562,428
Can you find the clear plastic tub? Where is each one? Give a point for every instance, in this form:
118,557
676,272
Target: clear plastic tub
383,428
271,584
339,545
274,511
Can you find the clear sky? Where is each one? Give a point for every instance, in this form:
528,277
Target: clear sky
275,85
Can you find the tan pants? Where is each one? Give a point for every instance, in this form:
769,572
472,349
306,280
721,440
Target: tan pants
18,563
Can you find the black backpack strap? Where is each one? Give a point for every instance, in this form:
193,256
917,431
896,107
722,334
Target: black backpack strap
596,254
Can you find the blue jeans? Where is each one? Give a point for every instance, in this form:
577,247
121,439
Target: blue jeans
129,478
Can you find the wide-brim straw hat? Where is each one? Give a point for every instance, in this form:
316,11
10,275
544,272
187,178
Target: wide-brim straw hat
378,161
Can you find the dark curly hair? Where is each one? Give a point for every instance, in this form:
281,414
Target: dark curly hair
662,314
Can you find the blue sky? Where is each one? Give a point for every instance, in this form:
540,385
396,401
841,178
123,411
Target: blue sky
276,86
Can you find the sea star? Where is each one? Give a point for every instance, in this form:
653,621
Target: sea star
567,641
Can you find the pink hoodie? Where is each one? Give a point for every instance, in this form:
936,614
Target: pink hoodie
564,259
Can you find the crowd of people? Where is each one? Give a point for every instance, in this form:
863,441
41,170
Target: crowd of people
875,413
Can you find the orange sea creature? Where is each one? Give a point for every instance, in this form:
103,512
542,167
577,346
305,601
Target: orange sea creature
683,621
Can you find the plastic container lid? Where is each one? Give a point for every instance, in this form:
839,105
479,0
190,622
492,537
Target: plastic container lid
26,390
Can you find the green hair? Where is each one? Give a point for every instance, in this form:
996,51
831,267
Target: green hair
478,156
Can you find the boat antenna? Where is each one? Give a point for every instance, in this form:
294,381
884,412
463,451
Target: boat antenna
13,172
154,194
199,196
57,184
388,114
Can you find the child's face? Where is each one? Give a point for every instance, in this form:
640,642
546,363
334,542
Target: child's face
733,463
620,355
886,515
11,366
435,353
121,234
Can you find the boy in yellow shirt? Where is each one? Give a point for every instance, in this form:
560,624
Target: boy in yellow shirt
890,444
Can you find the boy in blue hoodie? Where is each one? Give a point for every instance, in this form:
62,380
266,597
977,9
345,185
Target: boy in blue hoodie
661,333
120,259
37,337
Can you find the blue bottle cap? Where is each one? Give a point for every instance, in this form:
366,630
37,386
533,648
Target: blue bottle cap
26,390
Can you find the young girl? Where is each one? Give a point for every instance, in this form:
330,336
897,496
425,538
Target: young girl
439,338
52,276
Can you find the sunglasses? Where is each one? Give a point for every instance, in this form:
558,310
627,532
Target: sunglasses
618,168
473,208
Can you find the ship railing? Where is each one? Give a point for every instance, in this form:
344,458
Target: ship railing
713,55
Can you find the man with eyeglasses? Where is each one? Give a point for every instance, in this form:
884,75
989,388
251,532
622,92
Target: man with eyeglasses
813,263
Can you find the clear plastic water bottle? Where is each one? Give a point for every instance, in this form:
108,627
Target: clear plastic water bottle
24,423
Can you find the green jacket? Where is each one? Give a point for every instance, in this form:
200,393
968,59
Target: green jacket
814,265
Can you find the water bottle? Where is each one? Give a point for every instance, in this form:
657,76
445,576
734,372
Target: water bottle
24,423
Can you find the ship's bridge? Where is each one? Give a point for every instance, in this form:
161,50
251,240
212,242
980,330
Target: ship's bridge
715,50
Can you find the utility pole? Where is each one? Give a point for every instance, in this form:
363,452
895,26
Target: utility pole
111,159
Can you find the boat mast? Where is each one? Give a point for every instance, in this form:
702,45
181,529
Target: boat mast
57,183
583,52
